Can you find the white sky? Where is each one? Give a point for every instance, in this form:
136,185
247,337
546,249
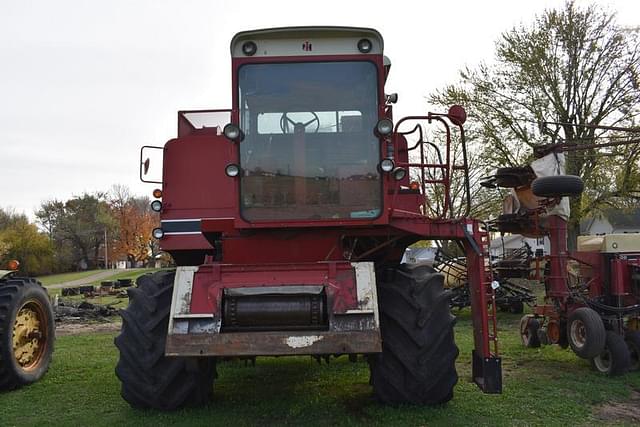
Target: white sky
84,84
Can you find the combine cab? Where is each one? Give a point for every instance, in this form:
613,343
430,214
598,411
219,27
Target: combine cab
288,216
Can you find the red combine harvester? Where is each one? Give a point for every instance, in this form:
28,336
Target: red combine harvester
289,224
592,295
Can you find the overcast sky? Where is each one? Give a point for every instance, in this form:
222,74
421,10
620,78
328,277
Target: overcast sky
83,84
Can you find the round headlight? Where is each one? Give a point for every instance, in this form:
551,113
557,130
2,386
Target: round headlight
386,165
249,48
232,132
232,170
384,127
365,46
399,173
157,233
156,206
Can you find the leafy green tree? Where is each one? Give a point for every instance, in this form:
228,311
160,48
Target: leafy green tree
77,228
574,66
21,240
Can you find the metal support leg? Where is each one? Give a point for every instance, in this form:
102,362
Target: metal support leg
487,366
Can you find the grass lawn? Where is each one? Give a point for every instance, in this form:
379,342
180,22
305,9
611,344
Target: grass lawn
547,386
66,277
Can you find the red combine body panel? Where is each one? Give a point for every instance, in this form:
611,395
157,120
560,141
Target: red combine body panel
288,216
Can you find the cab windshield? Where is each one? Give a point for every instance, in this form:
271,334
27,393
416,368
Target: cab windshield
309,150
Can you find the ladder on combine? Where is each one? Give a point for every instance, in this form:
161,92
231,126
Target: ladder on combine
425,162
489,287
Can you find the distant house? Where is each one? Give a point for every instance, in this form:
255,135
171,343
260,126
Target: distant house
612,221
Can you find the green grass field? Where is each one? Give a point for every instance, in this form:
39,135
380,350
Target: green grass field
547,386
66,277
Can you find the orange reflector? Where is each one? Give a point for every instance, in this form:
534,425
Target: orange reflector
157,193
415,185
13,264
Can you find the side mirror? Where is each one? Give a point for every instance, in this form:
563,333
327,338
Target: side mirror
457,115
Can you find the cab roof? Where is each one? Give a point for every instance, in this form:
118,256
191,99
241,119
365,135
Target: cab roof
306,41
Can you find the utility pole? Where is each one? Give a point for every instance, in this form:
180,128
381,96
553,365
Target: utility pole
106,251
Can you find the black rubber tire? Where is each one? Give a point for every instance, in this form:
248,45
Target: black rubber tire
563,342
543,338
557,186
614,359
590,329
516,307
417,363
16,293
632,338
149,378
529,332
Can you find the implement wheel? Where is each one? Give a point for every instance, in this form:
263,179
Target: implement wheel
149,378
516,307
417,363
557,186
27,332
586,333
632,338
614,359
529,331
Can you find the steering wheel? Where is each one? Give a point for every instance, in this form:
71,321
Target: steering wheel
285,121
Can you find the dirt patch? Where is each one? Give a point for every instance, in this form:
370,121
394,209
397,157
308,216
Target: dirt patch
76,328
627,411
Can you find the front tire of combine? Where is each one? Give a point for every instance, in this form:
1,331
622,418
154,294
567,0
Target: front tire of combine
27,332
417,363
149,378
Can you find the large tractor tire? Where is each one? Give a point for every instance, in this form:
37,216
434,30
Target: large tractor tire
149,378
557,186
417,363
586,333
27,332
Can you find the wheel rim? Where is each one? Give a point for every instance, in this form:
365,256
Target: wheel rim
578,333
30,335
603,361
